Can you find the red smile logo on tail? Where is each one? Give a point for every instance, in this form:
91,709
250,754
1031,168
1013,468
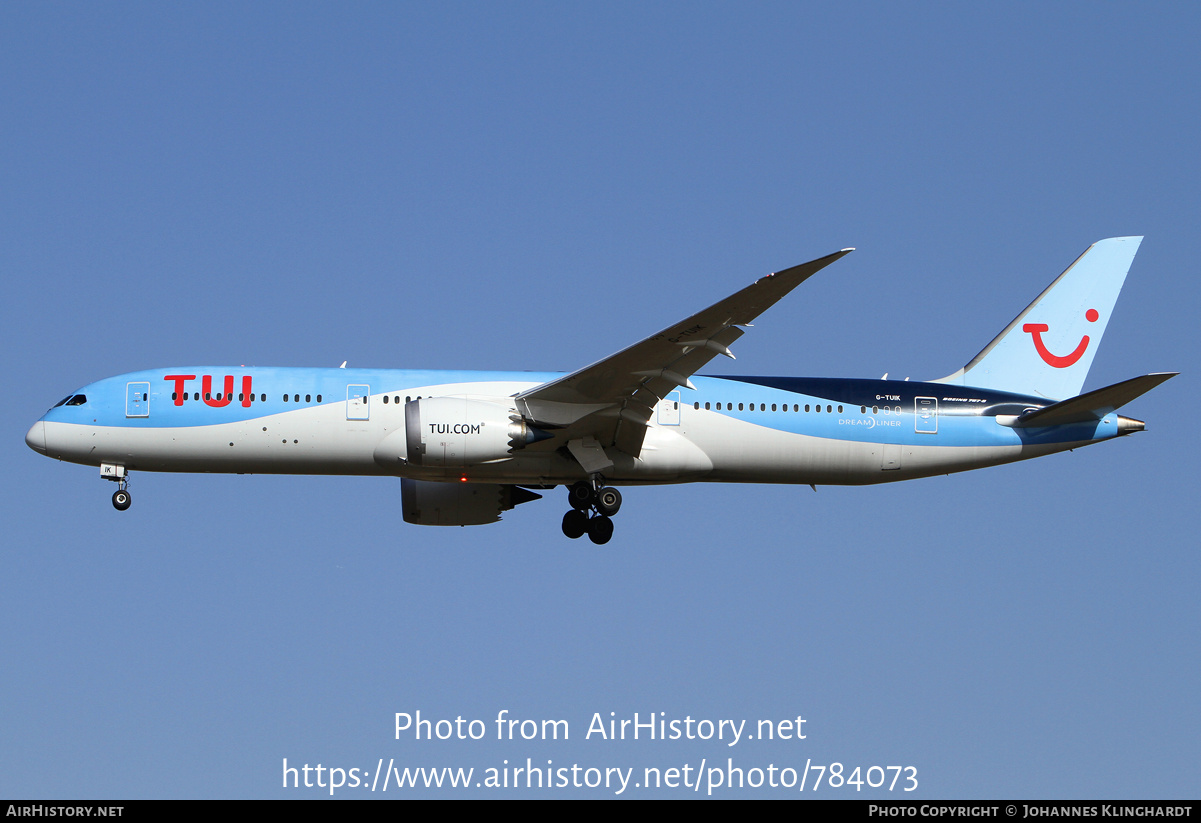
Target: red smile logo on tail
1036,332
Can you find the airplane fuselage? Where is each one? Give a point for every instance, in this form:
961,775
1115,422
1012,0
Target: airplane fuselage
729,429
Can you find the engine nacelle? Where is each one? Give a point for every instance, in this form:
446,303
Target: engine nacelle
455,432
458,504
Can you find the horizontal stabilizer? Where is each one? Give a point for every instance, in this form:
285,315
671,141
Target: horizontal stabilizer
1094,404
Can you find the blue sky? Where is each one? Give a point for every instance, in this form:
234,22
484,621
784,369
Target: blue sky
534,186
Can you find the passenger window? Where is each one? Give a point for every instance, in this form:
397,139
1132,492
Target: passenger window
308,398
318,398
739,407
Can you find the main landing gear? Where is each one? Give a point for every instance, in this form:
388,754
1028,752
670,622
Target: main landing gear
592,507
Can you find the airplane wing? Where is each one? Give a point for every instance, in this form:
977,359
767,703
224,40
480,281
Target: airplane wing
610,402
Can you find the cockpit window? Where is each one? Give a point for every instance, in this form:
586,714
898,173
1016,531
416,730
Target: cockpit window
63,401
78,400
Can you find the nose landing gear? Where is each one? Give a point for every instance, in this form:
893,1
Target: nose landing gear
121,498
592,507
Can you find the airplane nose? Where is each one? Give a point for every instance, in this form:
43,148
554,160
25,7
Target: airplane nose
35,438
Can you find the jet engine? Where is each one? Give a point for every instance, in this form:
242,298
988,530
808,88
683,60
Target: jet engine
454,432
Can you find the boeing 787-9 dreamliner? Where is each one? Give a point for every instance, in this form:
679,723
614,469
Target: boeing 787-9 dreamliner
469,445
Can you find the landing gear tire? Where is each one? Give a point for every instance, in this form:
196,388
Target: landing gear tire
121,500
600,529
575,523
608,501
581,496
591,507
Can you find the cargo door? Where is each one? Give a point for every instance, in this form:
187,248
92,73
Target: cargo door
890,459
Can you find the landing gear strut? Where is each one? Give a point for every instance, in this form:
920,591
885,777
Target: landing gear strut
592,506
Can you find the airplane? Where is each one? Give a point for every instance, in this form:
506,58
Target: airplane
468,446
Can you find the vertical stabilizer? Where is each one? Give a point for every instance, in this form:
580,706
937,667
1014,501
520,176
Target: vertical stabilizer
1048,348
